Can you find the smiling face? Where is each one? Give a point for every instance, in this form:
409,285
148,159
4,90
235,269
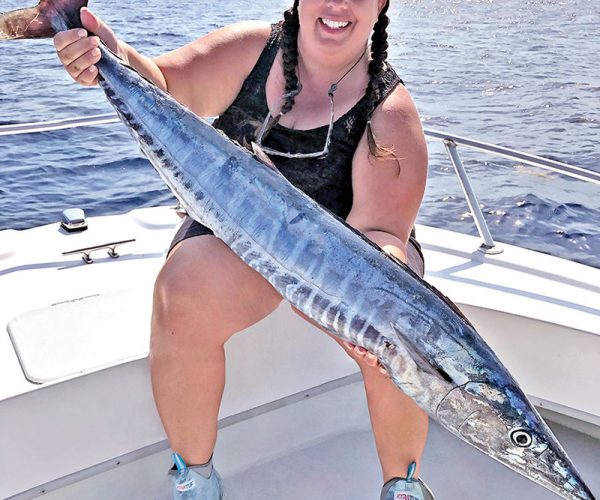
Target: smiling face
337,26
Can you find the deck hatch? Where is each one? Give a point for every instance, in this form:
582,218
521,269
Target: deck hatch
82,335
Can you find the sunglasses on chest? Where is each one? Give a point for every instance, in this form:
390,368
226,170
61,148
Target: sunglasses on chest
270,121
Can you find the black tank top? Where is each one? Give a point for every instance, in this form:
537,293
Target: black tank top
327,180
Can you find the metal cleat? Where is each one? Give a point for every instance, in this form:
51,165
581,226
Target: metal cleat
87,258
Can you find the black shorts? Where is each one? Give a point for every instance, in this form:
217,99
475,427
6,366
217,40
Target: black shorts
190,228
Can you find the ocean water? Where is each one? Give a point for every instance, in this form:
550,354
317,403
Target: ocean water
521,74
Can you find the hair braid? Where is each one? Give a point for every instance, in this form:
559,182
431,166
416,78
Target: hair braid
379,47
291,26
376,86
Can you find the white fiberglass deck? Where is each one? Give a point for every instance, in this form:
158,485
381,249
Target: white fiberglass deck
541,315
321,448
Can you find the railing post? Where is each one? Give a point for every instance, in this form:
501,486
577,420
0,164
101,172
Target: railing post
488,245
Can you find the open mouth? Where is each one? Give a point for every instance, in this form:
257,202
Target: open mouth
334,25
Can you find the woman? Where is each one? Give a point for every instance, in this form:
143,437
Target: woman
372,174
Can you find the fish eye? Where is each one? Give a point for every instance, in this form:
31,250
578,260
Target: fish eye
521,438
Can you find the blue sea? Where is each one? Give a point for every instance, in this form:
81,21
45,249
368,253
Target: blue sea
522,74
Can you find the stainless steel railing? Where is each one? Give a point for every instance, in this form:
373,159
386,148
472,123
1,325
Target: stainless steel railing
49,126
450,141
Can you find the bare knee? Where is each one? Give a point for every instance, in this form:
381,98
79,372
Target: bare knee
180,315
204,294
176,292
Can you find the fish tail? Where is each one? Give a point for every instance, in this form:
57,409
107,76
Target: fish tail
42,21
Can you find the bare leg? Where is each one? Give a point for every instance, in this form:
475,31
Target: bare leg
399,425
203,295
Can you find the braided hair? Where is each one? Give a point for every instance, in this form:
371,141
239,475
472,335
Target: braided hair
379,46
291,26
376,86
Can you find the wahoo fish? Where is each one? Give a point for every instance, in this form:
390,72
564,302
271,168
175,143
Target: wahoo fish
328,270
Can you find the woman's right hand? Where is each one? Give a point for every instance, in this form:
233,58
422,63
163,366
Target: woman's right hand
79,52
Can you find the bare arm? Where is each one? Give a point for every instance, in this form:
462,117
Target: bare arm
204,75
207,74
79,52
388,192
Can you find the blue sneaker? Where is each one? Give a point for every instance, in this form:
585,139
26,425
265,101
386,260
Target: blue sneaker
196,482
407,488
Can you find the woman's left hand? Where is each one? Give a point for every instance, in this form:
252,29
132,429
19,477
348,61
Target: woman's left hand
362,355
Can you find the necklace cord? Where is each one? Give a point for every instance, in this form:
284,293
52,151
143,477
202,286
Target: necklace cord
271,121
333,87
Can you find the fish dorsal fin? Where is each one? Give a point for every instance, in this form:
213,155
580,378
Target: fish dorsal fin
263,157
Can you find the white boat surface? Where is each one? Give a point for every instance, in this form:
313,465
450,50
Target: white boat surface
76,409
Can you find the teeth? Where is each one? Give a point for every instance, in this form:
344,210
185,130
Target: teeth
334,24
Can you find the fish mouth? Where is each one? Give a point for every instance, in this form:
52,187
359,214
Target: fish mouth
500,422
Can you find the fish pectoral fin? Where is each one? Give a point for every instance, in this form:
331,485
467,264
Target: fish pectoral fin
422,361
263,157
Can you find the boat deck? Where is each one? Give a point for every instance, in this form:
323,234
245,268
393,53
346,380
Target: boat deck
35,278
81,332
321,448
